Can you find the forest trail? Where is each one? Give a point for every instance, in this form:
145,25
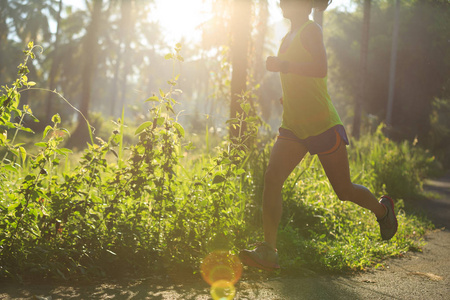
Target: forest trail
418,275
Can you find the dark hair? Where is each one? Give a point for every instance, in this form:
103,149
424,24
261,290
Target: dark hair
321,5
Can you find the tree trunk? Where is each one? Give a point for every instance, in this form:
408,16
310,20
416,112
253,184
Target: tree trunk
259,60
393,64
115,90
128,25
90,51
363,70
3,39
240,37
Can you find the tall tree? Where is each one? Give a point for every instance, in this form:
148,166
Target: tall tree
423,66
128,23
422,70
122,61
3,36
365,36
259,40
90,52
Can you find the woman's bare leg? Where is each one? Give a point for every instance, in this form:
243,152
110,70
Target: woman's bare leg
336,167
285,156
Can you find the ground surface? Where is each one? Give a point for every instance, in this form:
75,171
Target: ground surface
422,275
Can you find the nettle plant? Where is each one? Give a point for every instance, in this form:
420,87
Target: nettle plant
26,179
11,116
139,213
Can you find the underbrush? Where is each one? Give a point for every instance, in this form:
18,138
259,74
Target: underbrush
164,203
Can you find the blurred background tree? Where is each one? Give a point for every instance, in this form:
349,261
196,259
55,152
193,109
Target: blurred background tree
423,64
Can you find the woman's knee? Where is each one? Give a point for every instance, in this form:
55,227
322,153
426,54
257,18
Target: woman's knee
344,193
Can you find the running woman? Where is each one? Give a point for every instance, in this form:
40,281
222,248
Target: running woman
311,124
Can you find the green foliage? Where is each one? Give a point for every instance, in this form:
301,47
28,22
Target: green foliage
11,116
160,204
398,168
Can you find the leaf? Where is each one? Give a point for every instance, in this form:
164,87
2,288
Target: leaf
154,99
240,172
246,107
31,83
41,144
232,121
168,56
46,130
162,93
23,154
56,119
114,152
218,179
64,151
26,129
179,129
159,121
65,130
10,168
143,126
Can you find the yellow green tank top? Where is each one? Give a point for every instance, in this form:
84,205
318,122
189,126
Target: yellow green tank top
307,107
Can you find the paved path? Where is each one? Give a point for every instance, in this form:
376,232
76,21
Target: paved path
424,275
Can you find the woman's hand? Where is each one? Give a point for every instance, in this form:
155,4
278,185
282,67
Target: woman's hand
273,64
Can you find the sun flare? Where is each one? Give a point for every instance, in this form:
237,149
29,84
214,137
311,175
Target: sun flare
181,18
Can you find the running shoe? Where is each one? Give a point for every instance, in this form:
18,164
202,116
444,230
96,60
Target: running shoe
388,224
262,257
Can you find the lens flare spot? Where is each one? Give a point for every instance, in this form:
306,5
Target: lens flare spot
221,266
223,290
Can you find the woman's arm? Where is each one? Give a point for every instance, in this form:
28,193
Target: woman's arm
312,40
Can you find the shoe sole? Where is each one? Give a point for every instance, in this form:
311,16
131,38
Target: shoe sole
250,262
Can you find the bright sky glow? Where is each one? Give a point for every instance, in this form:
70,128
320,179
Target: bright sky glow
277,15
181,18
